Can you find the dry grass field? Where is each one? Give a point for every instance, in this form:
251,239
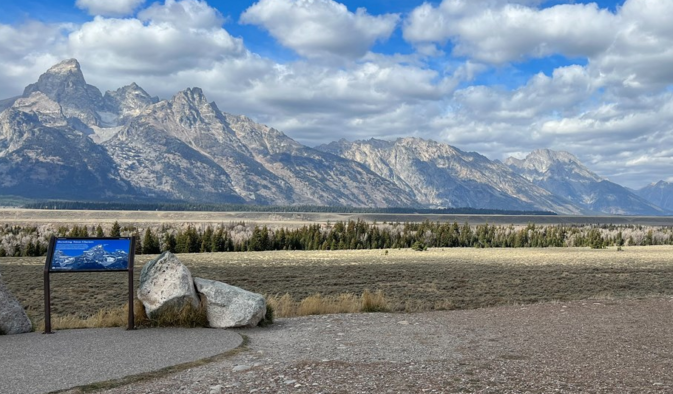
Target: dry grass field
16,216
411,281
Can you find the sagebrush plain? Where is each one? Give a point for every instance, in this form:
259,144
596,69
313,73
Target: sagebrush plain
436,279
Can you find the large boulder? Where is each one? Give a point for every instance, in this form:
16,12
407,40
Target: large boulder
230,306
13,319
165,282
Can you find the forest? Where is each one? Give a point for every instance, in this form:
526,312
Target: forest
243,237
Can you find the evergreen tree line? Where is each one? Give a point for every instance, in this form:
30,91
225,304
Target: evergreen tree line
239,237
183,206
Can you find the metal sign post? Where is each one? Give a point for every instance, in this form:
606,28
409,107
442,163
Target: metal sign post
112,254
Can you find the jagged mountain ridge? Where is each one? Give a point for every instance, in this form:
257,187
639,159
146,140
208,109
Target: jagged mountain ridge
660,194
440,175
564,175
181,149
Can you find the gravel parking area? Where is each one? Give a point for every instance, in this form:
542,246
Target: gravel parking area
594,346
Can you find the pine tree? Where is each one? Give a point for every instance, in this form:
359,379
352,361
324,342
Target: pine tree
116,230
150,243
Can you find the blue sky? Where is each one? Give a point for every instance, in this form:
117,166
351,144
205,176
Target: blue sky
500,77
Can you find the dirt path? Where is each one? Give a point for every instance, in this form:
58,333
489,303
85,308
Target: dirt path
597,346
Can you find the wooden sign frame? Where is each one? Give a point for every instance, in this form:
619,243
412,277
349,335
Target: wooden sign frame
73,255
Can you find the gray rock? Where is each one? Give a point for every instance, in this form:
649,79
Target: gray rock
165,282
13,319
230,306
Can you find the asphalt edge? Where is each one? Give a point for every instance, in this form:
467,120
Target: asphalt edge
141,377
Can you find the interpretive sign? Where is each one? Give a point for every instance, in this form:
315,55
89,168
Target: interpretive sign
88,255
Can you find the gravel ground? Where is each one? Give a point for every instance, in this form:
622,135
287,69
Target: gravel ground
596,346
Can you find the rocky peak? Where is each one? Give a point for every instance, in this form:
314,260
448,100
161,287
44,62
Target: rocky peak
68,66
192,97
191,108
64,83
544,163
659,193
58,81
662,184
128,101
260,138
564,175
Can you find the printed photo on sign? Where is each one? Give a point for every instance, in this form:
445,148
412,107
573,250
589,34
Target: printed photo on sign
91,254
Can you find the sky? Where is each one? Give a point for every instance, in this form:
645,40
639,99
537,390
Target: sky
499,77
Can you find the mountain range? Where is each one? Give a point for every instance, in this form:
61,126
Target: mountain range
64,139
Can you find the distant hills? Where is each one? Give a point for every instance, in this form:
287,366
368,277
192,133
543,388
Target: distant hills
64,139
562,174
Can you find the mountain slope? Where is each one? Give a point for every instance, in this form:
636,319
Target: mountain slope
660,194
564,175
183,149
260,164
40,161
440,175
316,175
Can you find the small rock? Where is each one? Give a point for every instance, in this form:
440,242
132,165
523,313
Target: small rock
403,322
240,368
216,389
290,381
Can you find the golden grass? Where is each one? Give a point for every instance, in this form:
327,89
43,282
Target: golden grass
114,317
317,304
187,315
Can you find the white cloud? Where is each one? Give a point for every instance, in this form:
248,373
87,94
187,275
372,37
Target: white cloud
183,13
27,50
166,39
109,7
320,28
639,58
499,32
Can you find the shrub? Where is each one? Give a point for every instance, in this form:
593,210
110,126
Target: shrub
373,302
267,320
175,315
419,246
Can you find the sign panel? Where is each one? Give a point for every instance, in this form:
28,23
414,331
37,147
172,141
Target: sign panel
90,254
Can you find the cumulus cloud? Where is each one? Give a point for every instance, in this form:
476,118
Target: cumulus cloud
163,40
109,7
639,58
500,32
320,28
185,14
28,49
